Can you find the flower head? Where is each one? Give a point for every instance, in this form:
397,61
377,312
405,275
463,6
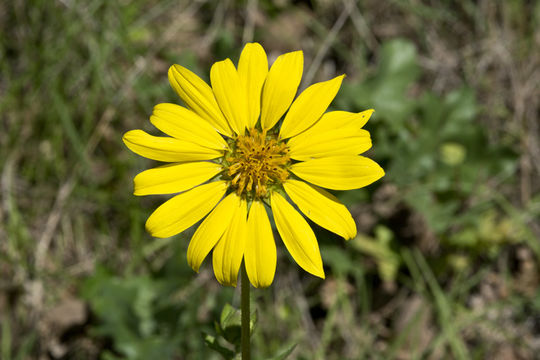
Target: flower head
229,162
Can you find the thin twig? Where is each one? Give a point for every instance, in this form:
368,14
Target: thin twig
249,26
216,25
361,26
330,37
302,304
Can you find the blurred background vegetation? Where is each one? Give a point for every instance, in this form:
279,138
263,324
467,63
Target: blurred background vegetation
446,264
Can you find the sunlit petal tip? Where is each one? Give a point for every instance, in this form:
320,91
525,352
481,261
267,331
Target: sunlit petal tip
321,207
339,172
125,138
350,237
253,46
314,144
252,70
198,96
130,135
339,78
379,173
173,74
260,251
170,73
210,231
174,178
184,124
309,107
351,232
365,116
280,87
229,251
182,211
297,235
230,93
166,148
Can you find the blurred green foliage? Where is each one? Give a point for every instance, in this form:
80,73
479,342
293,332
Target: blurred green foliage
157,315
435,153
437,270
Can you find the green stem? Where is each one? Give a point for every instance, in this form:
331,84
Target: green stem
245,314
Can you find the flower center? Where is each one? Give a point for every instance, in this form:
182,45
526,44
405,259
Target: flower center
257,162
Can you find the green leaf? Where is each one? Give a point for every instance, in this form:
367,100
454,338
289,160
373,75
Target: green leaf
385,91
230,324
288,351
380,249
399,58
230,316
212,343
397,71
337,259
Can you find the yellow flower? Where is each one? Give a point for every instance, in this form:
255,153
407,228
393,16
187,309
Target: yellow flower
227,140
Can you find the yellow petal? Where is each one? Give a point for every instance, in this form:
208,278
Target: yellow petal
228,252
344,141
174,178
230,94
297,236
167,148
260,249
184,210
211,230
340,119
322,208
309,107
339,172
184,124
280,87
252,69
198,96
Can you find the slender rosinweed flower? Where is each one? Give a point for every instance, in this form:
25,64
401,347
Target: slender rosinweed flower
229,161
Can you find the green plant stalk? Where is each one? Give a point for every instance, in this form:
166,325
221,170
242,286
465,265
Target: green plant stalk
246,317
